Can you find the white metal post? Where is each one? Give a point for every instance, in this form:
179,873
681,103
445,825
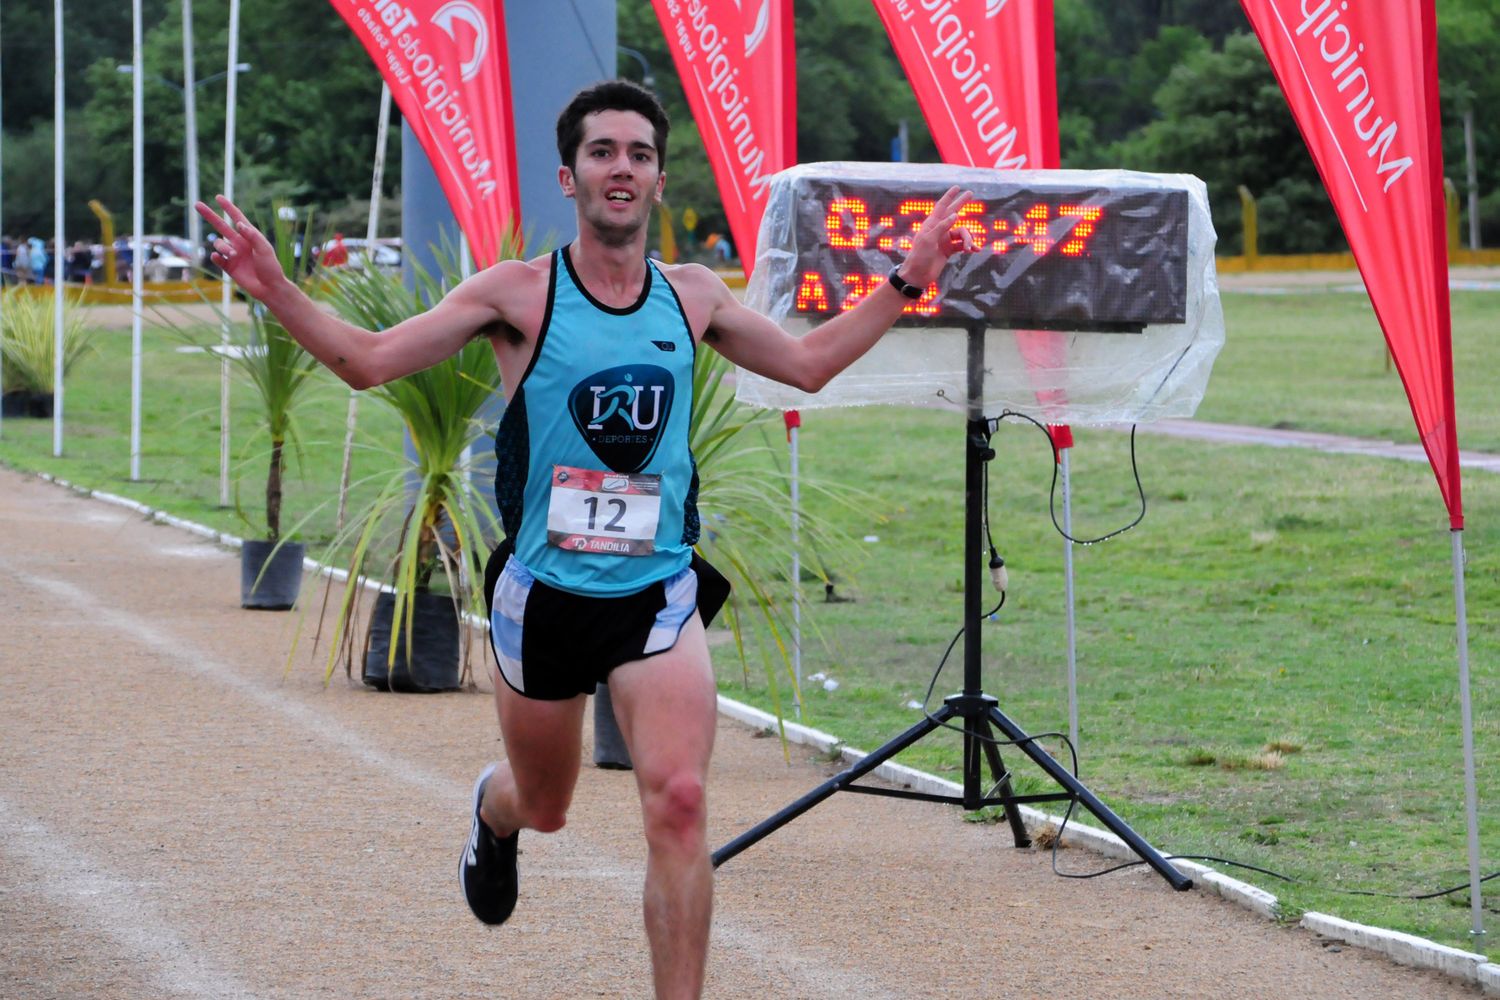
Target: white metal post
796,571
58,246
138,225
2,279
190,127
226,296
377,182
1067,494
1466,708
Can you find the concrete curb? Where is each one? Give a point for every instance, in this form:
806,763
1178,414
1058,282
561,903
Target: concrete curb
1405,949
224,538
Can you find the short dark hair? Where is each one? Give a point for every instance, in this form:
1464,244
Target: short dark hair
610,95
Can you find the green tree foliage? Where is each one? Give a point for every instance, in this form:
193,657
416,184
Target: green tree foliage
1173,85
1468,41
305,122
1222,116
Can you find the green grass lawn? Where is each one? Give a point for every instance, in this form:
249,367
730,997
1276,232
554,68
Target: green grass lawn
180,439
1267,664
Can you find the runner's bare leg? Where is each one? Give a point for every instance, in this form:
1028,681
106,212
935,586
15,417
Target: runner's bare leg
667,709
533,786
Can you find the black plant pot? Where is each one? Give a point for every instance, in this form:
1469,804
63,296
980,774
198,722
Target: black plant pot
39,405
610,751
433,665
273,585
15,404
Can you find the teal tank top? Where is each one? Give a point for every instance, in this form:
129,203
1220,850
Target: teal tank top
595,481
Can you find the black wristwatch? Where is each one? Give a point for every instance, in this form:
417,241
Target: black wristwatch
903,286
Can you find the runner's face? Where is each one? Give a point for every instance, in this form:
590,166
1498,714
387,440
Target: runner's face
615,179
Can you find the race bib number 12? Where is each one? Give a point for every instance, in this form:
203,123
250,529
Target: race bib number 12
606,513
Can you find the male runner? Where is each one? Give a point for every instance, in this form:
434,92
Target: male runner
597,491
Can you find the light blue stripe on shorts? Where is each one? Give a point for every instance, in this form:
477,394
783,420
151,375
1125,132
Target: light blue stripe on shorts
507,619
682,600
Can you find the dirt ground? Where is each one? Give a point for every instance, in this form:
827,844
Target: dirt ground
180,817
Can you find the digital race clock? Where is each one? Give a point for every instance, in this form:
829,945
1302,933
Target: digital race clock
1058,263
1039,256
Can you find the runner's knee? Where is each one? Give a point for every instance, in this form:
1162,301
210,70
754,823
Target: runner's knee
675,808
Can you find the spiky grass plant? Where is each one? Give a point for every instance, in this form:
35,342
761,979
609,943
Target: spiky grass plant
271,362
27,332
444,531
281,372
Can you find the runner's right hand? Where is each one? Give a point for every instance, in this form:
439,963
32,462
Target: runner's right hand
241,251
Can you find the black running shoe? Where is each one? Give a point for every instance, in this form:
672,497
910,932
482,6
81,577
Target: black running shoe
487,870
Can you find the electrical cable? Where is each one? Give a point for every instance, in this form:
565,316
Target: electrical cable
997,565
1052,491
1410,897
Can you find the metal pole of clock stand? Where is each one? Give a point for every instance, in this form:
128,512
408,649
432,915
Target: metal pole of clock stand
978,710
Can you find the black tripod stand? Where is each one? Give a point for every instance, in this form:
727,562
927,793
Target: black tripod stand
979,711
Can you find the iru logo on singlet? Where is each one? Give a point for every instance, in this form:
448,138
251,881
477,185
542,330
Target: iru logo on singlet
621,413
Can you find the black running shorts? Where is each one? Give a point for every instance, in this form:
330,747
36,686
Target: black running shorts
553,645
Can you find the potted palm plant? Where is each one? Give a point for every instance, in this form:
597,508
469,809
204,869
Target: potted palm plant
27,331
280,372
429,515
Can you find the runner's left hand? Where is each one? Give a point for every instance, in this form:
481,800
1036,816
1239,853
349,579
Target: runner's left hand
936,239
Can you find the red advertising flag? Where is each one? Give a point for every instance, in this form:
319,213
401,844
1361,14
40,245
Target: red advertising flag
984,75
445,62
737,64
1361,80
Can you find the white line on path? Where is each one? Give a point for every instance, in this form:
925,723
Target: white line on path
112,896
68,877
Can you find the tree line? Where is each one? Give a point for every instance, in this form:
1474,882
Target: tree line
1161,85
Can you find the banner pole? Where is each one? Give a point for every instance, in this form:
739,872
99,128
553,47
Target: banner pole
796,468
1068,593
1471,794
377,182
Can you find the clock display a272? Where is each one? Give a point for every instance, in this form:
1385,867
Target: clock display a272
1036,257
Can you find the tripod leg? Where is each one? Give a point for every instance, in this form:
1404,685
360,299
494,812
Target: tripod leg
1065,778
839,781
1002,780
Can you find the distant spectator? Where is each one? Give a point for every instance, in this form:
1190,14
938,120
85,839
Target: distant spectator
7,259
36,255
724,250
22,264
80,264
336,254
124,254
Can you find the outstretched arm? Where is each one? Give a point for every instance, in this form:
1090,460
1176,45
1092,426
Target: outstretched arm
360,357
755,343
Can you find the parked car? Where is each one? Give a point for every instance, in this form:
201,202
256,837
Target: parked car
168,258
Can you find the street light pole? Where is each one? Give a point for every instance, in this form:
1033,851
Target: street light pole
1470,177
189,89
647,80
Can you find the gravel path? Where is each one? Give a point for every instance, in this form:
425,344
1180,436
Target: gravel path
181,817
